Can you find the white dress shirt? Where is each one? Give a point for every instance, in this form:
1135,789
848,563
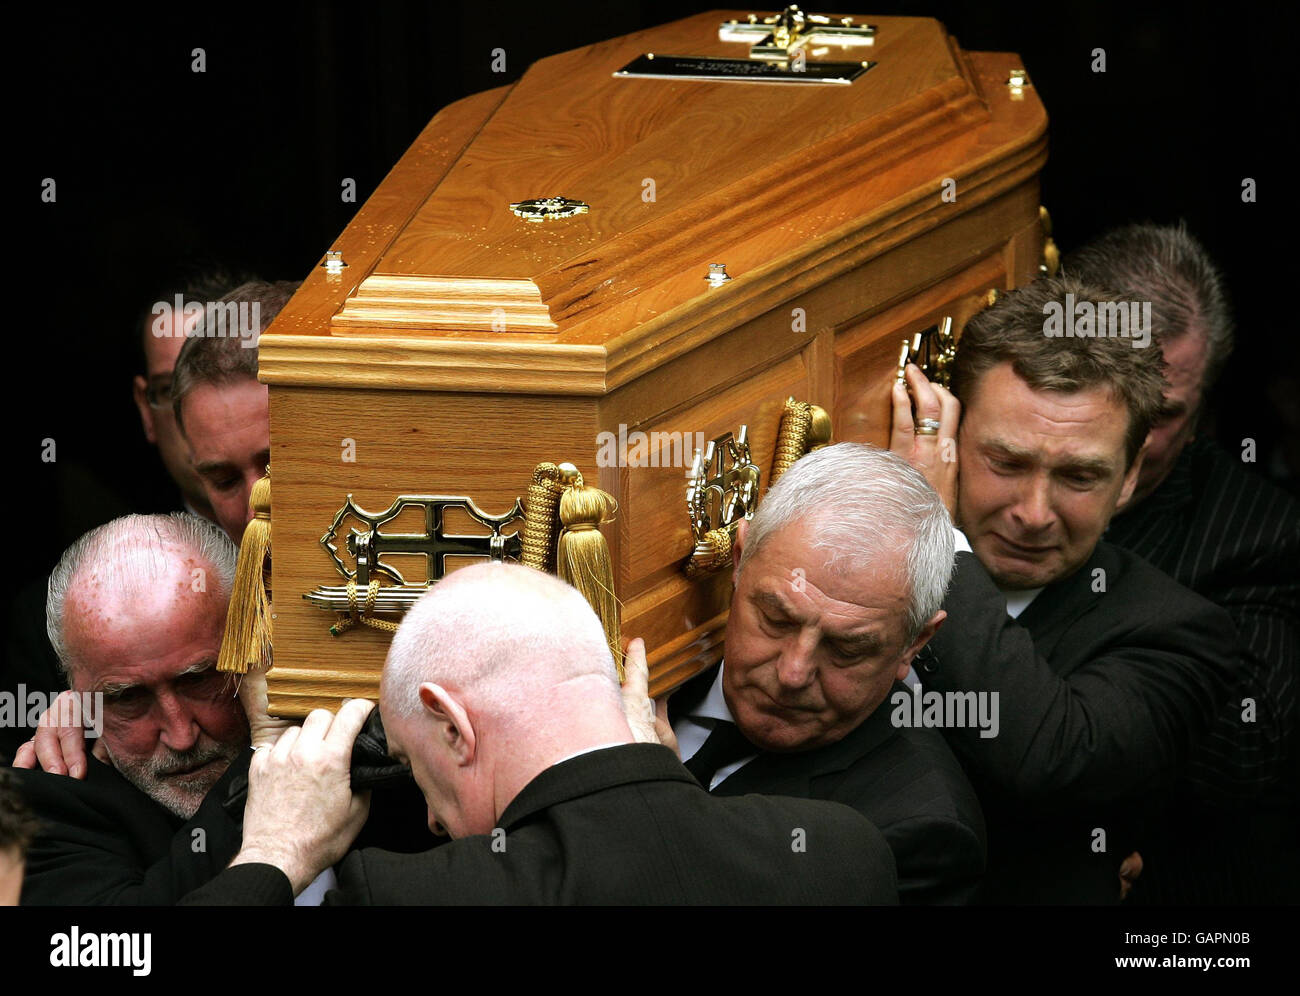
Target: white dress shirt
314,894
693,728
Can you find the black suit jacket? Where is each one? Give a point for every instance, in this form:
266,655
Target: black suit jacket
1102,696
1234,538
623,825
905,781
104,842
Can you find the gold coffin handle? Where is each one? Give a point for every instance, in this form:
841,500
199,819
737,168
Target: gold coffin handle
804,428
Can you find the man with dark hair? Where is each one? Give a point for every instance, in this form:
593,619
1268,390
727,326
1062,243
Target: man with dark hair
1191,321
221,408
157,332
1108,673
160,331
1205,520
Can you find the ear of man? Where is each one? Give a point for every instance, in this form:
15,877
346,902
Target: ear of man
452,727
1131,476
737,547
139,391
922,638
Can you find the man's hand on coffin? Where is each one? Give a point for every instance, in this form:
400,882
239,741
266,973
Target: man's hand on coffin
59,745
934,454
647,718
302,814
262,729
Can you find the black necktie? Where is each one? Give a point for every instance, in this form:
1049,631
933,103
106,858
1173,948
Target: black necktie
725,744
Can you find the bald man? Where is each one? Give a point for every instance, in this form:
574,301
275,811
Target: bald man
500,691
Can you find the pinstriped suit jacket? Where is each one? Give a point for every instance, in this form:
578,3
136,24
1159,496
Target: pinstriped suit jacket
1234,538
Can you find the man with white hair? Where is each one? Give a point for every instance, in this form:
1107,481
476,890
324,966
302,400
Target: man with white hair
838,580
136,611
501,692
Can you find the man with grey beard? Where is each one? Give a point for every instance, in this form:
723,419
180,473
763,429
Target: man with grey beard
135,613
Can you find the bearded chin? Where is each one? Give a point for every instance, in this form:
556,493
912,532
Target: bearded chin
181,796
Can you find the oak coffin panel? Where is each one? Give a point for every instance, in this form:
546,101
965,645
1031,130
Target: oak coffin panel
461,345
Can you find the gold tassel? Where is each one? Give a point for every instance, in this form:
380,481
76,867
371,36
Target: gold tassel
804,427
711,554
582,557
247,641
537,546
791,438
819,427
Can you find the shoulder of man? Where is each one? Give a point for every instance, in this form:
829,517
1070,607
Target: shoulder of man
825,852
911,772
100,801
1249,522
483,870
102,841
659,840
1151,598
1115,586
913,789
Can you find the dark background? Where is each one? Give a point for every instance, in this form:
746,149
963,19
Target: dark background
244,162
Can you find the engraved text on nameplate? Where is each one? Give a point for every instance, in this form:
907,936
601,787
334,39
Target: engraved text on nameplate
685,67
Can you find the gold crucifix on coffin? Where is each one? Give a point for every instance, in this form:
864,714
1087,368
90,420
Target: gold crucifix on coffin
780,36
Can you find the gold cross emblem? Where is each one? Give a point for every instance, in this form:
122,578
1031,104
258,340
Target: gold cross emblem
781,35
369,545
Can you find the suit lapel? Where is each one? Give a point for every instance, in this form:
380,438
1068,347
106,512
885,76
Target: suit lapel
682,700
1050,616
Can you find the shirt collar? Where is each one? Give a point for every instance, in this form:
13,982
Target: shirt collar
1018,599
714,704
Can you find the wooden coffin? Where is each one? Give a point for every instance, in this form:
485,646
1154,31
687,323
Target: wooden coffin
460,345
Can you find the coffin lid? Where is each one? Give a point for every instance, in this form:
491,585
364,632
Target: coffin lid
787,184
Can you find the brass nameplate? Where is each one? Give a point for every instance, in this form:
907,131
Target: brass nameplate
688,67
